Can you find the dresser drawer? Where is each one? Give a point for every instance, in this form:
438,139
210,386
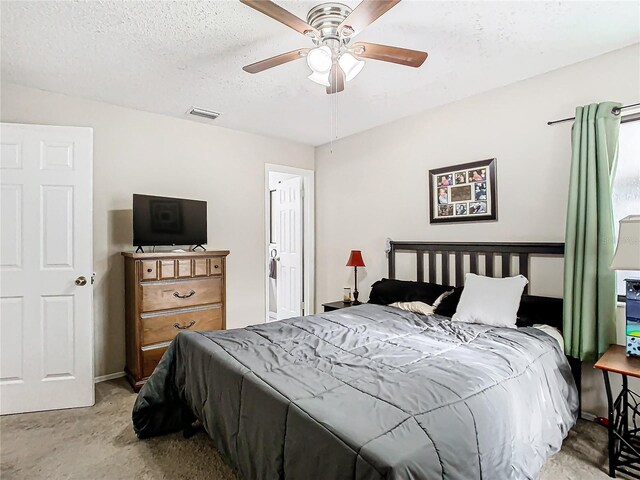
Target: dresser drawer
216,266
169,295
149,270
199,267
184,268
162,328
167,269
150,358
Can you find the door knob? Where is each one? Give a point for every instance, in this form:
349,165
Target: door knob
81,281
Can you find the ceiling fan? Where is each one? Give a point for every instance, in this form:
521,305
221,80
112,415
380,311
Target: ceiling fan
331,27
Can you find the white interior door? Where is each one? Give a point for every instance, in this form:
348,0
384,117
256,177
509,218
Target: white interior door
46,321
289,290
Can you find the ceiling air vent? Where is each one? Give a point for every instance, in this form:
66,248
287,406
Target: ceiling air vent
201,112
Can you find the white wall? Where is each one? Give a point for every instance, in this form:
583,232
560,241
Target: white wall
138,152
374,184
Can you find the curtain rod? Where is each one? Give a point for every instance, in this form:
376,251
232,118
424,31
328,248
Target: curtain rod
615,111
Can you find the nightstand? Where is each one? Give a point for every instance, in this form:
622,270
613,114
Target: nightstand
329,307
624,441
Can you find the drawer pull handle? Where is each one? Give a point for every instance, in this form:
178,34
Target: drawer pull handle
184,327
149,270
191,293
216,266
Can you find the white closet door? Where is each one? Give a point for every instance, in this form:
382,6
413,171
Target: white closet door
46,315
289,289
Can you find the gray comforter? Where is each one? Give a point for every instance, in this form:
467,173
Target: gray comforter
368,392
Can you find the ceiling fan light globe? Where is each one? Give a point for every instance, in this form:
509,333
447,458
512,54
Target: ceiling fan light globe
319,59
321,78
350,65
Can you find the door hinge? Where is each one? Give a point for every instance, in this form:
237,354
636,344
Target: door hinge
93,278
302,306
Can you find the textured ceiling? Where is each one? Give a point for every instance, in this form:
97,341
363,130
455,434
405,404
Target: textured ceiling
167,56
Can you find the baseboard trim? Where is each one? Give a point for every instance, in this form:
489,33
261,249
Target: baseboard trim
588,416
111,376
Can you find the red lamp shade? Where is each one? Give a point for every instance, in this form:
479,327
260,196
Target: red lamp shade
355,259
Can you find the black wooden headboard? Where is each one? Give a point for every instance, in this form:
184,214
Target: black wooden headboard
459,250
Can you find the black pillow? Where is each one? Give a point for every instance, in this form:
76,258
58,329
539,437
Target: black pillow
449,303
540,310
387,291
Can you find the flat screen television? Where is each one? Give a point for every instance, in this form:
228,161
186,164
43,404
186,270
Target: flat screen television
168,221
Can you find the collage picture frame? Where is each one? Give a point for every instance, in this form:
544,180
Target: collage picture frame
463,193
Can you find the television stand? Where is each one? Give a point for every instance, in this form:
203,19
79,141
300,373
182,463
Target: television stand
194,248
139,249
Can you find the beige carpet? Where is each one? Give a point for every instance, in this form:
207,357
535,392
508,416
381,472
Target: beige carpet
99,443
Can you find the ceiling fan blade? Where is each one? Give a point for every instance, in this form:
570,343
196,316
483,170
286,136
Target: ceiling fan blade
385,53
275,61
336,79
367,12
281,15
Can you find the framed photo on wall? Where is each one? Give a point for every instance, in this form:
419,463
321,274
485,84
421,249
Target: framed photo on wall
463,193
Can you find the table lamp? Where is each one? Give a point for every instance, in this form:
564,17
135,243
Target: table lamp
355,261
627,257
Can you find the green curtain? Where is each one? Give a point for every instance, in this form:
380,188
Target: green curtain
589,285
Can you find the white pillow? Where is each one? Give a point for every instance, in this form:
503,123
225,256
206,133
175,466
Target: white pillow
492,301
415,307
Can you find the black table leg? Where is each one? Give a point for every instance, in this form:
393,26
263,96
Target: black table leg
625,407
612,454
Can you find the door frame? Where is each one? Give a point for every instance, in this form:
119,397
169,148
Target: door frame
308,228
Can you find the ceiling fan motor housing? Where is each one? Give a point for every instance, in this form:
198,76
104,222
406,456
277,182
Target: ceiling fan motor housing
326,18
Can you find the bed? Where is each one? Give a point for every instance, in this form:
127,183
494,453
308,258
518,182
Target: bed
372,391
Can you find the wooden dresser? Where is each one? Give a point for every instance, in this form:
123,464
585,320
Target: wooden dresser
167,293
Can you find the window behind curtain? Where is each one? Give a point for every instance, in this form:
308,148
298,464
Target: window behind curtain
626,186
